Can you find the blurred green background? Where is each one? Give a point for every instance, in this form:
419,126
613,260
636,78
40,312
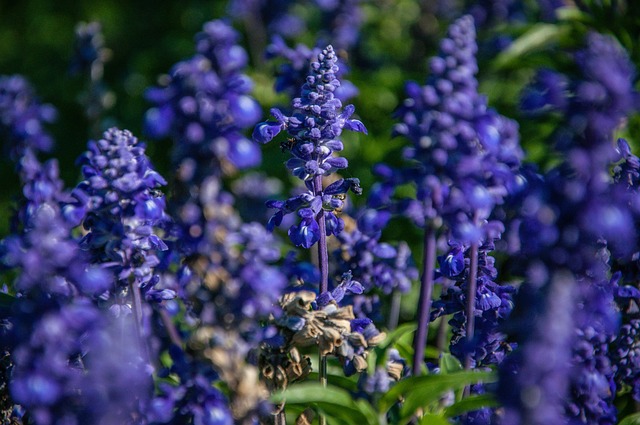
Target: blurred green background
397,38
145,40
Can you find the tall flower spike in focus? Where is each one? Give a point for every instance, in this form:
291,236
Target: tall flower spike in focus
314,127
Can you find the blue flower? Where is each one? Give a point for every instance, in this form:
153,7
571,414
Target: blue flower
452,264
266,131
307,232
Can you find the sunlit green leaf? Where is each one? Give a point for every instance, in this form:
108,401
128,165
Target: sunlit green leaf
337,381
431,419
468,404
633,419
333,402
449,364
396,334
539,36
420,391
571,14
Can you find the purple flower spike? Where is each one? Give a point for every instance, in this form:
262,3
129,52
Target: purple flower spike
205,104
22,117
314,127
123,204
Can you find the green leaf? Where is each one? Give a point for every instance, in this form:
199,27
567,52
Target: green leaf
334,403
378,356
336,380
571,13
396,334
431,419
405,350
537,37
420,391
449,364
470,403
633,419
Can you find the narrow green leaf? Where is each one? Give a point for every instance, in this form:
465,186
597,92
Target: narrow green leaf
571,13
633,419
405,350
449,364
368,411
422,390
536,38
432,352
332,401
396,334
431,419
337,381
372,361
470,403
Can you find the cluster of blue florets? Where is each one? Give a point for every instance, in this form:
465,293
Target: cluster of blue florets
133,298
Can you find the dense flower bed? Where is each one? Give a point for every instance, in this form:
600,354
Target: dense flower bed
469,258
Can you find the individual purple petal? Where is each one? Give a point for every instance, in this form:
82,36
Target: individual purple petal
266,131
305,234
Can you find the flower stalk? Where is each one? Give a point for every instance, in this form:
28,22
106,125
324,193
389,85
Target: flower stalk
424,303
471,299
323,263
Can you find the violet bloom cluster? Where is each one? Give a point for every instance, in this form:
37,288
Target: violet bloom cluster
204,104
22,118
315,126
88,61
376,264
22,127
341,20
122,208
274,15
195,400
292,73
89,50
626,348
486,13
463,161
465,152
235,285
493,305
381,267
534,379
573,220
226,278
59,338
